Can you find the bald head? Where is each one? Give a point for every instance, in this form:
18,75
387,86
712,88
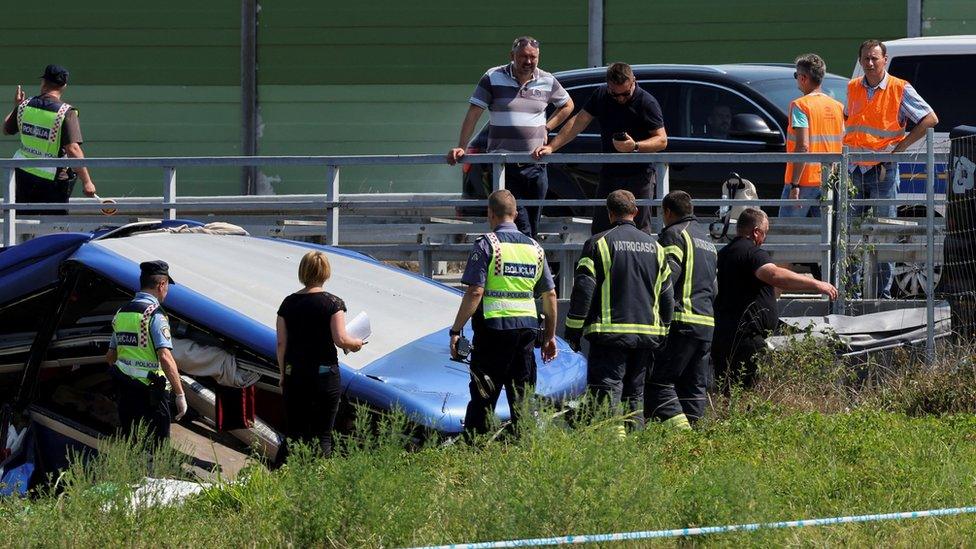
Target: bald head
750,219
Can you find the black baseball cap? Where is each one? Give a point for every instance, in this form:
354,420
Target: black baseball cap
150,268
55,74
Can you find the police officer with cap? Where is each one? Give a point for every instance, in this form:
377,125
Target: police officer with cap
48,128
141,353
622,303
504,274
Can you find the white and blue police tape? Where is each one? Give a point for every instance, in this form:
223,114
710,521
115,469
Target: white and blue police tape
680,532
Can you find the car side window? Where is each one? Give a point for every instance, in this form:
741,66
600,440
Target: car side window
928,74
668,95
711,109
580,96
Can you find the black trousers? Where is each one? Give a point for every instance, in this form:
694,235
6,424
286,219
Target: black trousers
311,403
734,359
616,374
141,403
529,182
33,189
678,381
500,358
641,184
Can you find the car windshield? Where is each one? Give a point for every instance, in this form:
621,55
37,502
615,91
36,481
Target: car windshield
783,90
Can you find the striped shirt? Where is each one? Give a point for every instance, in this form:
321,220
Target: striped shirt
517,112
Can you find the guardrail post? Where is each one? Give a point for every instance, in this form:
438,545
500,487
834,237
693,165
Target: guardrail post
567,271
10,216
840,222
426,260
497,176
826,218
332,210
930,246
169,194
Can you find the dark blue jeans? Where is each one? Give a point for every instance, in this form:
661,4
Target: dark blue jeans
871,184
527,182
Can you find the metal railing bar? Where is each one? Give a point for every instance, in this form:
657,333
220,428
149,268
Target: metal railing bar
434,159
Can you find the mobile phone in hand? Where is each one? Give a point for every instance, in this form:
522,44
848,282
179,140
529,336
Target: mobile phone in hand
620,136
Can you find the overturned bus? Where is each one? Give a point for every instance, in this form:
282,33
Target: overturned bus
59,293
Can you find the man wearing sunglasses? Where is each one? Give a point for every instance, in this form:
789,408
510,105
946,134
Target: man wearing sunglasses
516,96
630,122
745,306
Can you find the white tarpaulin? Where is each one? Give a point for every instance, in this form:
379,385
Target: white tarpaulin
253,275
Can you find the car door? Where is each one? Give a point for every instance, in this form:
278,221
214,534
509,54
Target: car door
708,114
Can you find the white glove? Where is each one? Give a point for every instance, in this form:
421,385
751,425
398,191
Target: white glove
180,406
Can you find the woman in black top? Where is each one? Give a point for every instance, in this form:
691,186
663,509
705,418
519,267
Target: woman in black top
311,323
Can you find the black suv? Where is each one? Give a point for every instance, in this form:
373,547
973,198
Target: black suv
707,108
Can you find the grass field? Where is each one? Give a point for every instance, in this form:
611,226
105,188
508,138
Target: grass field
790,449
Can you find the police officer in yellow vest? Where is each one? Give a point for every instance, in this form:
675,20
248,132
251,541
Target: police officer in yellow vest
48,128
141,353
504,274
622,302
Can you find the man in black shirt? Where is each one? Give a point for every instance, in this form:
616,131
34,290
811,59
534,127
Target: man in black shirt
745,307
630,121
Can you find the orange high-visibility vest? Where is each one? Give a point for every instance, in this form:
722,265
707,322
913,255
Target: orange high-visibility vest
873,125
826,131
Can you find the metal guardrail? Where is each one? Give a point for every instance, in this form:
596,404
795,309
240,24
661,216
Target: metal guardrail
834,220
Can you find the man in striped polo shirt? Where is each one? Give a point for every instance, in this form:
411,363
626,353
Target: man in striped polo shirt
516,96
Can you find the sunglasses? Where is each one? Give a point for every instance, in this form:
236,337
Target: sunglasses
796,75
522,42
616,95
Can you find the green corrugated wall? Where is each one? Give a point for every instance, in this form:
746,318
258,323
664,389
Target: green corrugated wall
390,77
948,17
149,79
741,31
363,78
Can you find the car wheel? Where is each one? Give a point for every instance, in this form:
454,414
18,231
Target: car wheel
911,279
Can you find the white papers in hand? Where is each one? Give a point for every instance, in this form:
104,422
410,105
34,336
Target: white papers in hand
358,327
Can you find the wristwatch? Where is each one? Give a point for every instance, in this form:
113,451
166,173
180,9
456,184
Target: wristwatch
636,147
454,332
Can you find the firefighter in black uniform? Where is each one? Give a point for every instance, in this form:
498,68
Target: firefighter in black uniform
677,383
622,303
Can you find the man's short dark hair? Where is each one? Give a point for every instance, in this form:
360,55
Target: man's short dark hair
749,219
868,44
811,65
150,282
621,203
678,203
619,73
502,203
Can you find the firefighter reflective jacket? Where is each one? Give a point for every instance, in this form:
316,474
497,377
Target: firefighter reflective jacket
137,356
692,259
515,266
873,125
621,296
39,122
825,130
